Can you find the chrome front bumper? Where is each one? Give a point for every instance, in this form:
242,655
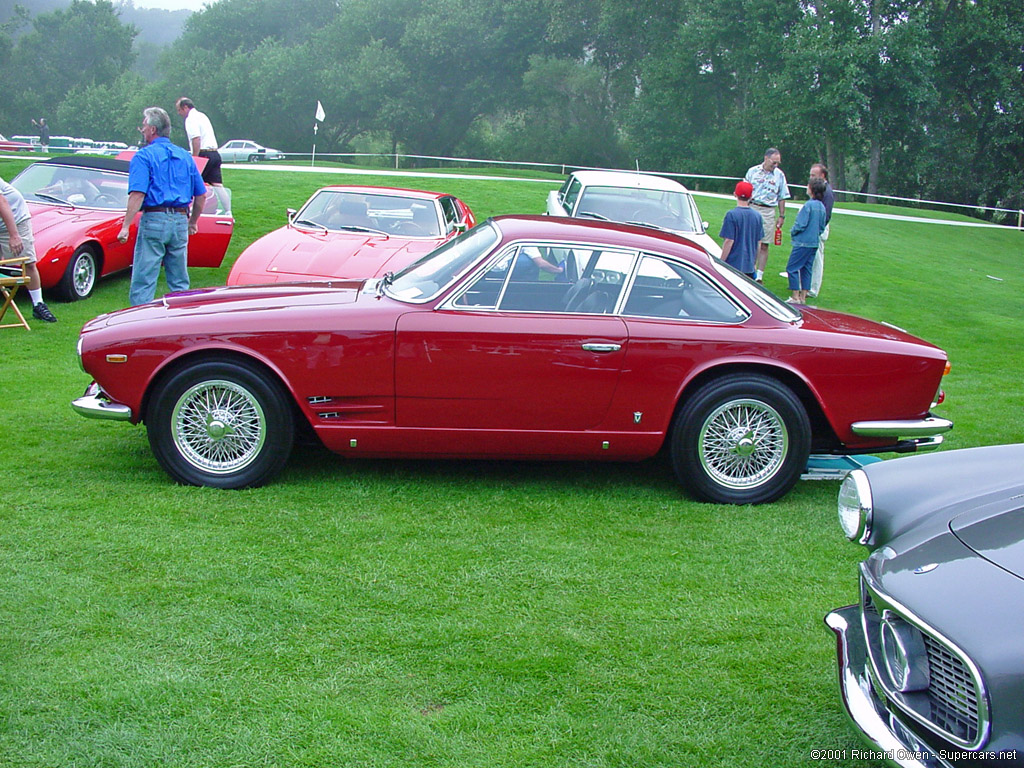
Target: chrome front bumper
890,740
93,405
929,427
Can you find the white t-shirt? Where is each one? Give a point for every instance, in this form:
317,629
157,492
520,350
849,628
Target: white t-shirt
198,125
14,198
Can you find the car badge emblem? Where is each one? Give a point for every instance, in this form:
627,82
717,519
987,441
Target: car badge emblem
637,415
926,568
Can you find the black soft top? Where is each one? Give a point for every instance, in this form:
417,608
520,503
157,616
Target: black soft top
85,161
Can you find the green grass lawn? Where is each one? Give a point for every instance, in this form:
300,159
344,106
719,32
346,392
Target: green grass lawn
401,613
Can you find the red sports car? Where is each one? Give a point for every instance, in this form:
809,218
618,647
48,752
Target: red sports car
78,205
353,231
527,337
6,145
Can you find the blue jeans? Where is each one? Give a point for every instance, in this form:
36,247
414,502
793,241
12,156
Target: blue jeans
162,239
801,259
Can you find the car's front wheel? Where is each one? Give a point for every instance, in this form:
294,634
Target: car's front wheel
220,424
741,439
254,158
80,276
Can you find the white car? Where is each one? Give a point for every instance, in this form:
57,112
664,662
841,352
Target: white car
635,198
245,151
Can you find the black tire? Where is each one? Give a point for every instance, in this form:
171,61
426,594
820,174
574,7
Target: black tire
80,276
741,439
254,158
221,425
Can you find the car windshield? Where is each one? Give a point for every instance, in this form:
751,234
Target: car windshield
666,209
426,278
337,210
758,294
72,185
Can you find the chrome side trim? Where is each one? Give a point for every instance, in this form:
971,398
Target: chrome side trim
927,427
866,710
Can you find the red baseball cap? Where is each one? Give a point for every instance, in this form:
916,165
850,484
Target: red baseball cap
744,190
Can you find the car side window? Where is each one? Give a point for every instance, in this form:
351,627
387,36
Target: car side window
451,213
668,289
571,194
486,289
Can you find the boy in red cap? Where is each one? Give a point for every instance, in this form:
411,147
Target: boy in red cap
742,231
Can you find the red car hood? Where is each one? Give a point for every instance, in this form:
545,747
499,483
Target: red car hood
46,217
289,254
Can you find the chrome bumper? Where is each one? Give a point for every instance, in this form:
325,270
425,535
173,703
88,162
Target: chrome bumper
93,405
917,434
889,739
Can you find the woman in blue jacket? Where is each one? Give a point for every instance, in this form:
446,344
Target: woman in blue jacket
806,234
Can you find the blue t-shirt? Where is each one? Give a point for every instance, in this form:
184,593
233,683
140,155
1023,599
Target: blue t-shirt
745,228
809,225
166,173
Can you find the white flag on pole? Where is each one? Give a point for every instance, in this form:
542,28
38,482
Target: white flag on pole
320,114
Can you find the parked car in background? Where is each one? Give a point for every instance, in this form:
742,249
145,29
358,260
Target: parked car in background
527,337
9,145
245,151
634,198
931,657
78,205
353,231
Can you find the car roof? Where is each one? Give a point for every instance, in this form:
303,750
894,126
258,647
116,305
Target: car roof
86,161
590,231
419,194
628,180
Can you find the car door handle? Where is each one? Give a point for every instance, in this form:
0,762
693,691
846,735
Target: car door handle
602,347
225,222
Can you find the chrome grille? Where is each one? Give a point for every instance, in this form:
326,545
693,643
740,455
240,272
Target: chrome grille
951,692
950,706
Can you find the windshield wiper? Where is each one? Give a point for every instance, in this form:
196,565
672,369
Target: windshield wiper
309,223
53,198
592,215
357,228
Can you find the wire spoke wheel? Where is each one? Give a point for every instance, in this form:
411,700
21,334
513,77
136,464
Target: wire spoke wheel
218,426
743,443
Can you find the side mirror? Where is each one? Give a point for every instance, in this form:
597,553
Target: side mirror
461,226
291,214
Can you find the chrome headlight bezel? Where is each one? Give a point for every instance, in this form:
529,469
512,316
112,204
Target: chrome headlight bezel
856,507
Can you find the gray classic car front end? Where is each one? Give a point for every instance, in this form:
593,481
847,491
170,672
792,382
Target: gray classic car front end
931,668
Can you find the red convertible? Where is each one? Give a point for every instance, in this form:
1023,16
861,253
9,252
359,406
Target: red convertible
78,205
353,231
526,337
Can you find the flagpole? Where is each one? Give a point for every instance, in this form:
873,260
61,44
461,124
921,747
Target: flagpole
317,119
312,160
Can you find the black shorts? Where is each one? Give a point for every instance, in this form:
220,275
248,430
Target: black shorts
211,173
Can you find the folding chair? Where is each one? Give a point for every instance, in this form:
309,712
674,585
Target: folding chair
13,275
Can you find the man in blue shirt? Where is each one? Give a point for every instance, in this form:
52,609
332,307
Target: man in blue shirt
162,180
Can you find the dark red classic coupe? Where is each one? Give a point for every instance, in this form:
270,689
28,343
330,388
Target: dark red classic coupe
523,338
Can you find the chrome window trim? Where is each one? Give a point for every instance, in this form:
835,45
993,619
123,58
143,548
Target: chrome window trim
880,678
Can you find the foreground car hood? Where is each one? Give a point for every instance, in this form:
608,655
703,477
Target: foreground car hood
236,299
996,533
289,252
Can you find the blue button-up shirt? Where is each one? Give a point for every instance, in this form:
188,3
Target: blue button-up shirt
166,173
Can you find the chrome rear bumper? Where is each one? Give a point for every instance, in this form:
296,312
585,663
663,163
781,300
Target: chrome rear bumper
930,427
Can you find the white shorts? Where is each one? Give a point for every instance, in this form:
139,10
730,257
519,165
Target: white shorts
25,231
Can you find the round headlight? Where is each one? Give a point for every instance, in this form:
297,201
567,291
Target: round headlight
906,659
855,506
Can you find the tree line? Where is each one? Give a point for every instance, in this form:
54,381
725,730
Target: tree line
901,97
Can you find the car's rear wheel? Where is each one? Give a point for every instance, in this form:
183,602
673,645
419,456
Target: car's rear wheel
741,439
80,276
254,158
220,424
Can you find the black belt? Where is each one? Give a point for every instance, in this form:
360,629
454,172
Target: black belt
763,205
164,209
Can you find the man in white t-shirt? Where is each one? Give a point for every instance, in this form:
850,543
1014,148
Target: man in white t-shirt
16,240
202,142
